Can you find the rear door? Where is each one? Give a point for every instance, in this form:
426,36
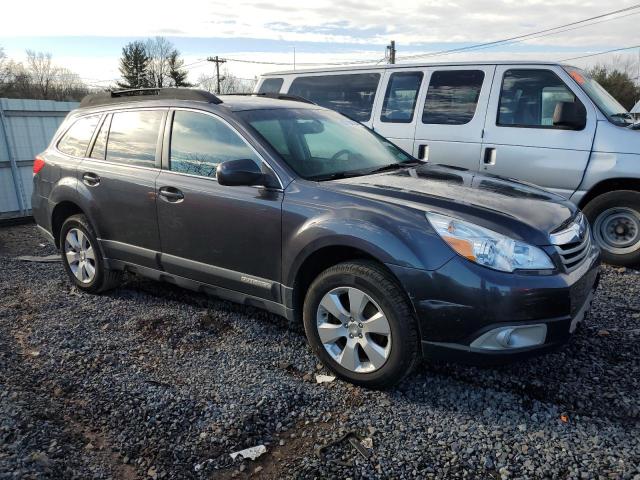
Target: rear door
227,236
520,139
118,179
395,115
451,114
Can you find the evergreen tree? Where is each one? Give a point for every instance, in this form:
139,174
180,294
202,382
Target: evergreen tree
134,66
176,72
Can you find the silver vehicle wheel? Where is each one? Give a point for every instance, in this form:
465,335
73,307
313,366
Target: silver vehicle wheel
354,330
80,255
617,230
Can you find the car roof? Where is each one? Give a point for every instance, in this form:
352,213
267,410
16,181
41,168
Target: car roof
399,66
238,103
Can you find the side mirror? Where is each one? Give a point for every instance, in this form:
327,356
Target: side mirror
242,172
570,115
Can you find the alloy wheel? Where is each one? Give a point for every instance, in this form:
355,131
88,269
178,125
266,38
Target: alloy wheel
80,255
354,330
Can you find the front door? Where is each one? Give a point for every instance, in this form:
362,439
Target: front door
227,236
520,139
451,115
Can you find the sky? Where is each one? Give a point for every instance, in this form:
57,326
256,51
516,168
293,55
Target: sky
87,36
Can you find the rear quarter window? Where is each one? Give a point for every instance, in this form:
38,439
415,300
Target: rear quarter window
271,85
76,140
351,94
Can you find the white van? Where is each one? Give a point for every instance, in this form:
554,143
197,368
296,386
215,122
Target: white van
543,123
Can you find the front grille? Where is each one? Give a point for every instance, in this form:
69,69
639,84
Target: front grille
574,243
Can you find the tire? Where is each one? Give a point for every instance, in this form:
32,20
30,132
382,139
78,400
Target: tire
391,356
76,236
615,222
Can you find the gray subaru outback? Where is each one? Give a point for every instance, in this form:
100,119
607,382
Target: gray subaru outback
286,206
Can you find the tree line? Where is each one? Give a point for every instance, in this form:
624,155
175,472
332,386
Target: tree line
156,63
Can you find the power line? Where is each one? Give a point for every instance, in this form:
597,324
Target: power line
259,62
600,53
521,37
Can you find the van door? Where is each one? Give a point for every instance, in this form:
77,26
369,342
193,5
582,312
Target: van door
394,116
452,114
520,139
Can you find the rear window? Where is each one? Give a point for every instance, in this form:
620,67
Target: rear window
77,138
271,85
452,97
351,94
133,137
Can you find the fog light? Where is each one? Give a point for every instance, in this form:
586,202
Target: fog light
511,337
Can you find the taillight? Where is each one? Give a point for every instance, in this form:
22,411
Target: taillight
38,163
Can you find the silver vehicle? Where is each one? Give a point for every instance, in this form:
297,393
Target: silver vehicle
543,123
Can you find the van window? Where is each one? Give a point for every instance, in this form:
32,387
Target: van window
452,97
199,142
400,98
133,137
351,94
271,85
77,138
528,98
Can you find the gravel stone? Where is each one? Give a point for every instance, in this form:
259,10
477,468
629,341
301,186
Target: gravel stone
152,381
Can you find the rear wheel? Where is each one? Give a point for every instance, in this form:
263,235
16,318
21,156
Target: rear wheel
82,259
359,322
615,221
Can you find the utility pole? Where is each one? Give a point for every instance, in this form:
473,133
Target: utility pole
391,51
217,61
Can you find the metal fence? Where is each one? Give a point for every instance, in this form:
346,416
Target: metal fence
26,128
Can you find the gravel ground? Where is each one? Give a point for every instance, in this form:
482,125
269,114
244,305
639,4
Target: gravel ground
151,381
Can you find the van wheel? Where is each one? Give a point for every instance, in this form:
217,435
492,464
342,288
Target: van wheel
82,259
360,324
615,221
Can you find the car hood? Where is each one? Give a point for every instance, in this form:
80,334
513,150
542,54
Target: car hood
516,209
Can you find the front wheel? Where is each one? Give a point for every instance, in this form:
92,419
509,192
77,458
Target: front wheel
359,322
615,221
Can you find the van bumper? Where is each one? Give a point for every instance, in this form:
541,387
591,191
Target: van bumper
476,315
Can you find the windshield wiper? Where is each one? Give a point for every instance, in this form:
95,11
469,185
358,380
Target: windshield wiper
395,166
336,176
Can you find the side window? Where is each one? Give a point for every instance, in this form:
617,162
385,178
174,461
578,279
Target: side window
351,94
199,142
452,97
133,137
76,140
400,98
100,145
528,98
271,85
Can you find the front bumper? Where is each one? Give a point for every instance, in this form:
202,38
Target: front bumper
459,302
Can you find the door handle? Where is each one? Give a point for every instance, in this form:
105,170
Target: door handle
490,156
171,194
90,179
423,152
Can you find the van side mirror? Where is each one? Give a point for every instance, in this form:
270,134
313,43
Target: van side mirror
570,115
243,172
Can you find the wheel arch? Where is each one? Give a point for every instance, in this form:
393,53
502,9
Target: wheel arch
60,213
321,258
609,185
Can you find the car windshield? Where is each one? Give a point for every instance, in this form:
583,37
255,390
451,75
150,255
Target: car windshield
615,112
325,145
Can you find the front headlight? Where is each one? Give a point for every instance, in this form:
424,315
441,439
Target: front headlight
487,247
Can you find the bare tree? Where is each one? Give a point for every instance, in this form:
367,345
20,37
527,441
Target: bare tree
42,71
159,50
229,83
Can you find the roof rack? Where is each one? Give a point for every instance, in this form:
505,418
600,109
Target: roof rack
139,94
277,96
